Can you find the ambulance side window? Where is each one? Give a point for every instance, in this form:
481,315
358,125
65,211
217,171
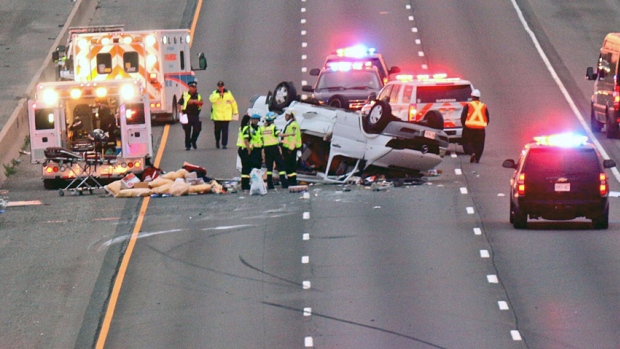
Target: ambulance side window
44,119
104,63
394,94
407,93
134,114
131,62
385,93
182,56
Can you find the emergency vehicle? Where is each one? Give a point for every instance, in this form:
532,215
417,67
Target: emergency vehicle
65,115
411,97
362,54
159,58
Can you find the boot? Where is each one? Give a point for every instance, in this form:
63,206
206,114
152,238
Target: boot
245,183
292,180
270,182
284,182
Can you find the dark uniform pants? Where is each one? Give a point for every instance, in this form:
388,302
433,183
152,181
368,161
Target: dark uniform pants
192,131
272,154
290,165
246,168
473,141
221,132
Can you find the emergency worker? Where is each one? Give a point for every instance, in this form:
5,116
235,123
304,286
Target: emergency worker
256,143
271,145
291,144
191,104
475,118
245,151
223,110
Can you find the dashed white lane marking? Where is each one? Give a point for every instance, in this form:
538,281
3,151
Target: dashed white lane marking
470,210
458,172
414,30
304,69
304,44
306,285
453,155
306,236
306,215
463,190
424,66
516,336
305,259
408,7
303,32
303,9
304,82
306,195
303,21
484,254
502,305
420,54
304,57
492,279
477,231
411,18
418,41
308,342
307,311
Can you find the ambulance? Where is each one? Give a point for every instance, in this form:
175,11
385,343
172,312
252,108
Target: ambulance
100,129
161,59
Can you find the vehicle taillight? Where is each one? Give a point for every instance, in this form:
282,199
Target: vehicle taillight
413,110
603,188
521,185
617,98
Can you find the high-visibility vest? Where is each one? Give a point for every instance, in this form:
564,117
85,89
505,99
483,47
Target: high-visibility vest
292,142
256,140
223,107
243,135
476,115
187,97
270,135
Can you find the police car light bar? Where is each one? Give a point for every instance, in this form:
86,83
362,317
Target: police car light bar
562,140
357,51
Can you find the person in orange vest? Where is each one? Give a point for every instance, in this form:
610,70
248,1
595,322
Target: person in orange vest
474,118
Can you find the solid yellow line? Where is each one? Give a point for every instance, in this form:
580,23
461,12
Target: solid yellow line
195,21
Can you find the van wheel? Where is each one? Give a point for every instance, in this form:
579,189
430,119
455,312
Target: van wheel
378,117
283,96
595,125
612,125
512,212
53,184
520,219
602,221
338,102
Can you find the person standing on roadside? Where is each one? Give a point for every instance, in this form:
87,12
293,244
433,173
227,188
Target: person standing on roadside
256,143
271,146
191,104
474,118
223,110
291,143
245,151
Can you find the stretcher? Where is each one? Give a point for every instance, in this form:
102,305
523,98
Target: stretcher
83,166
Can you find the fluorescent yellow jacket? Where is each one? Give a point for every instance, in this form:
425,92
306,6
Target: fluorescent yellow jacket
223,107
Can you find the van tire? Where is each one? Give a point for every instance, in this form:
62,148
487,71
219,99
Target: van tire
612,126
595,125
602,221
520,219
283,96
378,117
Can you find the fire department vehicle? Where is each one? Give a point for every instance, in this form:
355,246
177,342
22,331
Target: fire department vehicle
159,58
100,129
411,97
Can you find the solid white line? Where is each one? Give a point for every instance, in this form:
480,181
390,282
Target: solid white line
516,336
470,210
557,80
502,305
477,231
484,254
492,279
463,190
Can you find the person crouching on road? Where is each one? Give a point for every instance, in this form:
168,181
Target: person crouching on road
223,110
245,151
191,104
474,118
291,143
271,144
256,143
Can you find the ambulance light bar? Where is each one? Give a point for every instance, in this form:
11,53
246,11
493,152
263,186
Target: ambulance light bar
440,77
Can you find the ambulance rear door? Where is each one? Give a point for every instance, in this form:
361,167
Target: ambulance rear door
46,129
136,140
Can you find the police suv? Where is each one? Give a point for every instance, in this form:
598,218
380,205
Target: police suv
559,177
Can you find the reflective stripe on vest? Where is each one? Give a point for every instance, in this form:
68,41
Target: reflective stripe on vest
187,97
241,138
292,142
256,141
476,115
269,135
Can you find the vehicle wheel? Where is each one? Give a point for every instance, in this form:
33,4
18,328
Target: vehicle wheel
283,96
51,184
595,125
612,126
512,214
175,111
602,221
433,119
520,219
338,102
378,117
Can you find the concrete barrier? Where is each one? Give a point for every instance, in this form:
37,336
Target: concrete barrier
14,134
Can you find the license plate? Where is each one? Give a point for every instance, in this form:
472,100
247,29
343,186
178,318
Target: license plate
429,134
562,186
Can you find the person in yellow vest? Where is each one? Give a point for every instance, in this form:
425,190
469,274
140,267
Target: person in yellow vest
191,104
245,151
223,110
271,145
256,143
475,118
291,143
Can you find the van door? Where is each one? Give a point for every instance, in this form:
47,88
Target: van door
604,84
45,130
136,130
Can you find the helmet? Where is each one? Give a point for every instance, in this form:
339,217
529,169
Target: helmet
270,116
290,112
475,93
255,116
